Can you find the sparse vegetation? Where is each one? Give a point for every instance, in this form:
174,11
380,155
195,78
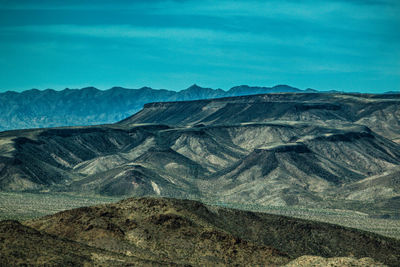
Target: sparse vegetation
349,218
24,206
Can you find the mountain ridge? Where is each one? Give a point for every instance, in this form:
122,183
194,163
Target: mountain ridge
90,106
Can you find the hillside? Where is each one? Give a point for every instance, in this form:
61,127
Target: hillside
19,247
91,106
188,232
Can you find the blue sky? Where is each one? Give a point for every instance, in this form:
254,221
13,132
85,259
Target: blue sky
343,45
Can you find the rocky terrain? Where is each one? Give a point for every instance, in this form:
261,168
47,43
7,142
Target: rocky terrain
275,149
90,106
19,247
161,231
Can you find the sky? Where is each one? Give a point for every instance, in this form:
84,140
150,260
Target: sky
346,45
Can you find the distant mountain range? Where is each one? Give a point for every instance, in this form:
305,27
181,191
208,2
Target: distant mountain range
90,106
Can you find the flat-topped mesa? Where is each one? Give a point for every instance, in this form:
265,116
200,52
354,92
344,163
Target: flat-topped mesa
315,100
259,98
331,109
297,147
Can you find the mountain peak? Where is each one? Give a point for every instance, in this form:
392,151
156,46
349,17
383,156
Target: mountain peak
90,88
194,87
117,88
285,87
146,88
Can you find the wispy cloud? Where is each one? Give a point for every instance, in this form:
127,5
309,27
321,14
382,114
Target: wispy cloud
306,40
211,36
304,9
129,31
